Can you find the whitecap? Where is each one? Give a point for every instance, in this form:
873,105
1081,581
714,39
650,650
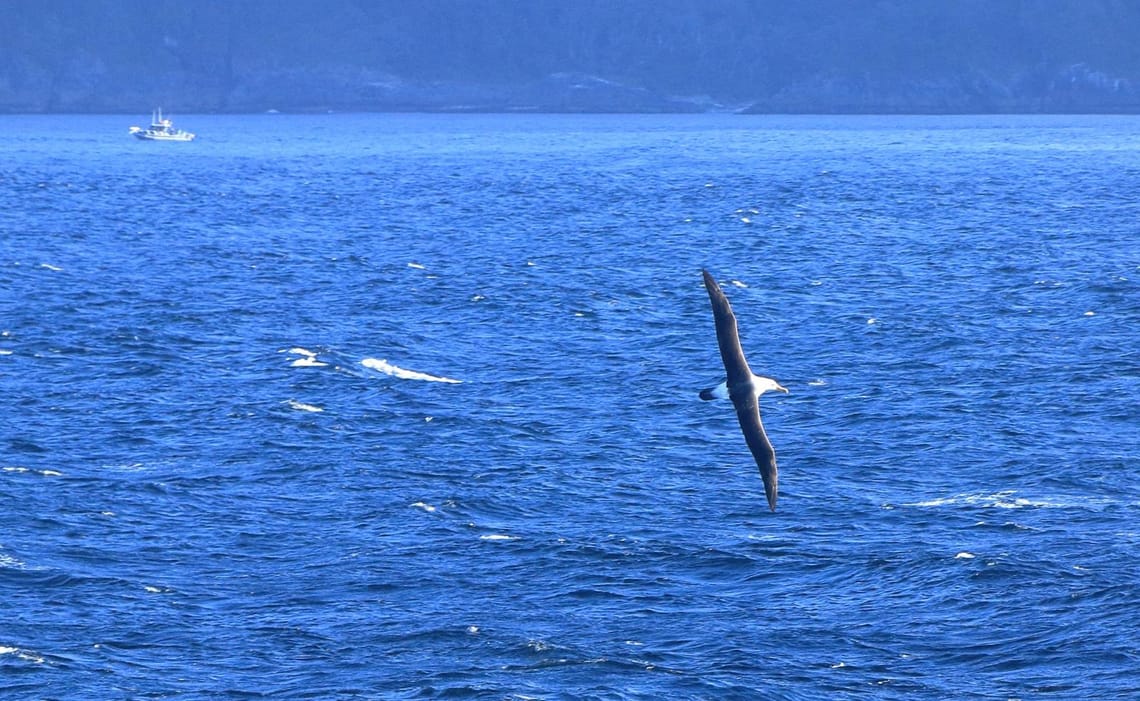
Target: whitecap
996,500
817,383
26,655
10,562
426,507
739,284
301,406
5,351
417,266
498,536
49,266
308,358
964,556
381,365
45,473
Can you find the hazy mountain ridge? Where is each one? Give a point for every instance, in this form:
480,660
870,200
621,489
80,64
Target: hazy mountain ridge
586,55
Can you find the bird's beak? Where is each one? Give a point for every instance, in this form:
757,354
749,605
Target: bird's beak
782,389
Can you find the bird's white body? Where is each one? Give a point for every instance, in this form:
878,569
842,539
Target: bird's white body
760,385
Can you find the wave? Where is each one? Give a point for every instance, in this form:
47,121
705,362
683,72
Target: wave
308,358
21,653
387,368
999,500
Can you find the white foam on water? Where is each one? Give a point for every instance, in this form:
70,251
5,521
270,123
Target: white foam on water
308,358
26,655
964,556
426,507
5,351
45,473
417,266
739,284
381,365
996,500
498,537
12,563
301,406
49,266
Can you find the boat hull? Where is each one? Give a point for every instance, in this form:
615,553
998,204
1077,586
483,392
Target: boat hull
144,136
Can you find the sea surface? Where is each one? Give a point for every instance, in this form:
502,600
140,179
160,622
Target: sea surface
405,407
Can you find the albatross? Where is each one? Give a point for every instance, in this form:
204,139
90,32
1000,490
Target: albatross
743,388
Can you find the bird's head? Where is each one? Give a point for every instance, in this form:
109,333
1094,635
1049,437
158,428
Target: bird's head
767,384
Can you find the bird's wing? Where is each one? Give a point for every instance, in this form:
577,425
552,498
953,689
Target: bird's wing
748,413
727,336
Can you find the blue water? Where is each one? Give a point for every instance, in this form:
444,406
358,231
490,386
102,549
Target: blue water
234,465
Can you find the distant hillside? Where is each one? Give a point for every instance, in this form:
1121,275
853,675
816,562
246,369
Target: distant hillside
570,55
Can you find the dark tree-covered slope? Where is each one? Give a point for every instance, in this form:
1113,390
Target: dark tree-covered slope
554,55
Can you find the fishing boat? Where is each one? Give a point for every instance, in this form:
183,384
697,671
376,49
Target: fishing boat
161,129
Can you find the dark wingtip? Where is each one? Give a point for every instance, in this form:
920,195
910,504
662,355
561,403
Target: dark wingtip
707,394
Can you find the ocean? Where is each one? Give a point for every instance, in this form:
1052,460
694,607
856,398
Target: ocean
405,407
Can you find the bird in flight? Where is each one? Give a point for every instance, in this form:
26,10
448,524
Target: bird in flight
743,388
